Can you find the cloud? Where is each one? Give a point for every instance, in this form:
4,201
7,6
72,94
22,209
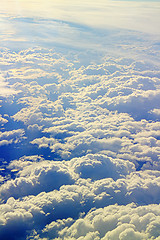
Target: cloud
39,112
9,137
35,175
3,120
118,14
69,177
98,166
78,110
113,222
156,111
75,193
109,222
5,89
92,146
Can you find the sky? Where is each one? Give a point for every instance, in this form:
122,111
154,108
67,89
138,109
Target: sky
79,120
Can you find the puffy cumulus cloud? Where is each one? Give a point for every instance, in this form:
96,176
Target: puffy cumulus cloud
24,162
34,128
129,90
100,121
19,216
1,177
146,100
44,142
34,175
112,222
156,112
74,111
82,195
3,120
110,85
5,89
99,166
144,183
52,229
13,136
35,56
29,69
38,111
14,222
85,143
118,133
142,188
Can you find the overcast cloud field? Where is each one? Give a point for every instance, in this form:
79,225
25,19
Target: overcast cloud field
80,120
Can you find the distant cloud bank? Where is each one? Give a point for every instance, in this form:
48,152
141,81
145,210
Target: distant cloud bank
140,16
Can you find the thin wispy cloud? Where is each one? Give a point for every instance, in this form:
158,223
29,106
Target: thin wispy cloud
132,15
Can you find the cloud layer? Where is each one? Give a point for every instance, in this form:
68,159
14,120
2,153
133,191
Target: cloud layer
80,142
133,15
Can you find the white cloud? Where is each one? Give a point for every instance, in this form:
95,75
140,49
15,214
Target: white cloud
5,89
103,154
98,166
3,120
44,142
115,222
156,111
35,177
70,200
133,15
13,136
35,174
